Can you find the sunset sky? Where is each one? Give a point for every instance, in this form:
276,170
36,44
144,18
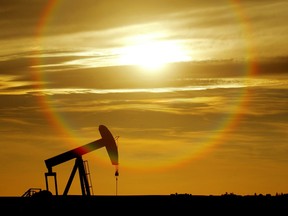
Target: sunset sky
194,92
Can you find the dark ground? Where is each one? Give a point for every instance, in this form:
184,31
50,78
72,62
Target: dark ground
142,204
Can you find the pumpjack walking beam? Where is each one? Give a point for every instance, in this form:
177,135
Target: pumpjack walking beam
107,141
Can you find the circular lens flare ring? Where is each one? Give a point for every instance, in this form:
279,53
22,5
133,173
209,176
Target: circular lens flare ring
149,54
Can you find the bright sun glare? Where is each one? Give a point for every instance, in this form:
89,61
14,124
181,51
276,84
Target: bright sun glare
153,55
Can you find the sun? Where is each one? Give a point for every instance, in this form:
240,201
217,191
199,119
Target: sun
153,55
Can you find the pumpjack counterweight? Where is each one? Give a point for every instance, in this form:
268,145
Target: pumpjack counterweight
106,141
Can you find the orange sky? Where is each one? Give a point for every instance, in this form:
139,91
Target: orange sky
196,94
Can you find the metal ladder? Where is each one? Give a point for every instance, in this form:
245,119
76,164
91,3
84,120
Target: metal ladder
87,173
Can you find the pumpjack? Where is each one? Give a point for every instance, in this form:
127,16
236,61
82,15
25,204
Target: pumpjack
106,141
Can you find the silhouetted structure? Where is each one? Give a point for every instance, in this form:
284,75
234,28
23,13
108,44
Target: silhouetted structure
107,141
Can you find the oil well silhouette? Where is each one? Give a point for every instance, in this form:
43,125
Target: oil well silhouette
106,141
